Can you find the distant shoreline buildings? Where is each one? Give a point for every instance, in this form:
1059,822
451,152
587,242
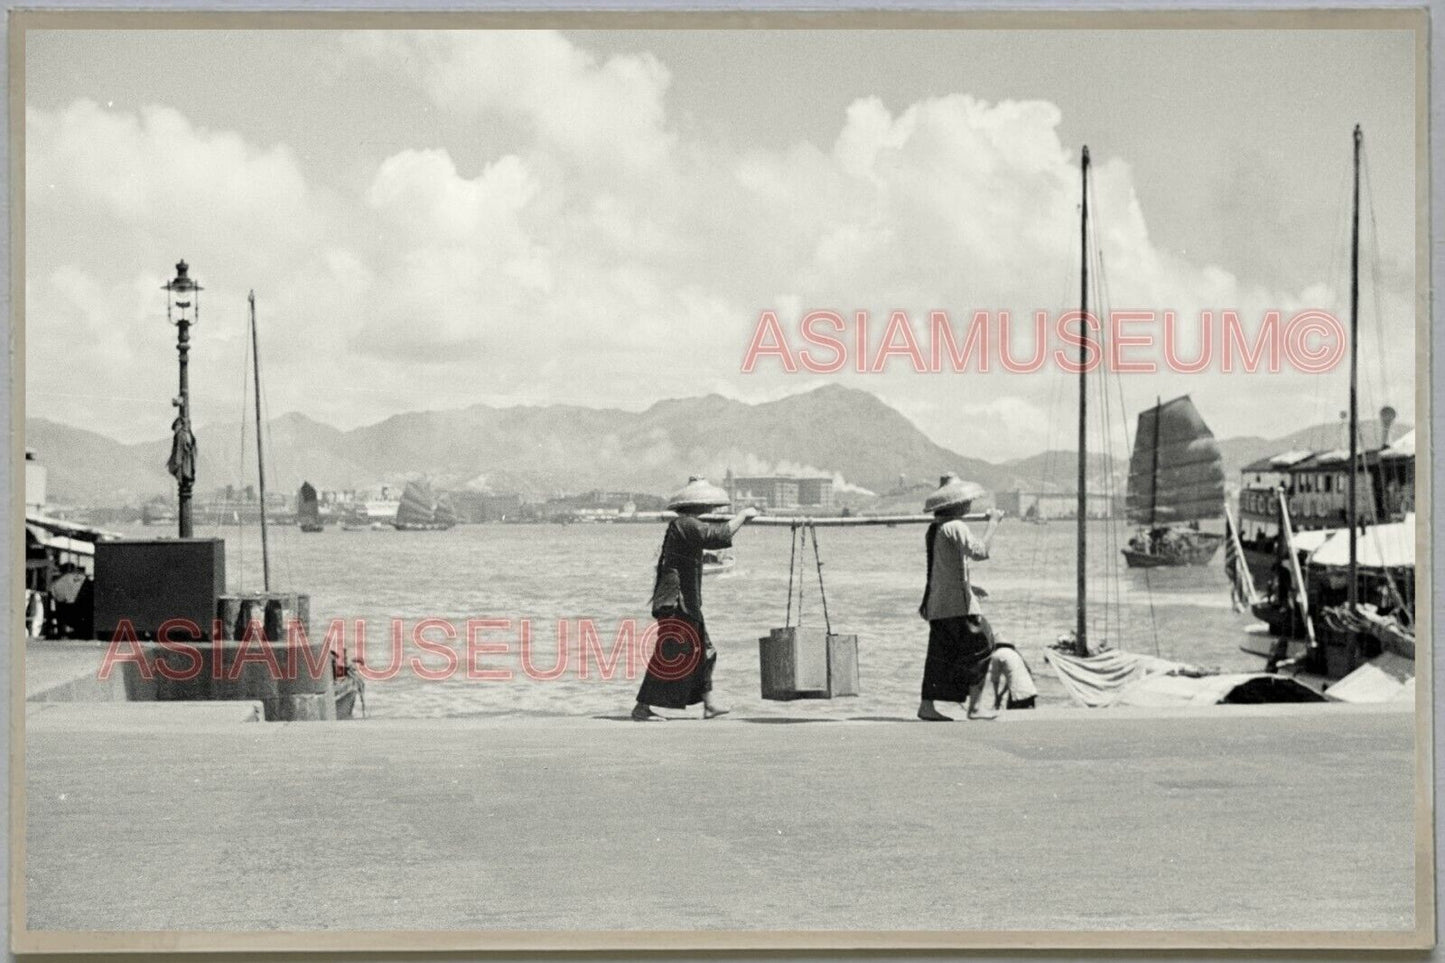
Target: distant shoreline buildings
779,492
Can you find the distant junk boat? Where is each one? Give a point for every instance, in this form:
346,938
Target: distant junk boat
1176,478
421,510
308,511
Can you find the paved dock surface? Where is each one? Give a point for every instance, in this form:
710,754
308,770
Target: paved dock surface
1236,818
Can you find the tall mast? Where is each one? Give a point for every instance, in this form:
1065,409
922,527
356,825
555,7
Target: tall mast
260,450
1351,510
1080,588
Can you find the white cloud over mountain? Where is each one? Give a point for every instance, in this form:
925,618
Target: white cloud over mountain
595,252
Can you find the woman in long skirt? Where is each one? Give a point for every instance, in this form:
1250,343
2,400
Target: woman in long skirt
960,639
679,674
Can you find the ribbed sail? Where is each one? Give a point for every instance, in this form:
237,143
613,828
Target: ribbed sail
1175,472
445,513
307,511
418,505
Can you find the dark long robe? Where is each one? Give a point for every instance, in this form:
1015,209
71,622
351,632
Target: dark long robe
679,674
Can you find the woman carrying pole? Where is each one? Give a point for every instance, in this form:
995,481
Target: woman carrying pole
679,674
959,637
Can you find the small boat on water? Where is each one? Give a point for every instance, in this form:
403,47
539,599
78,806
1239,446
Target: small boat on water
1176,478
308,510
355,521
421,510
717,562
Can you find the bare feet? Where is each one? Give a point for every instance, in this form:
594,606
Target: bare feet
928,713
983,715
642,713
711,711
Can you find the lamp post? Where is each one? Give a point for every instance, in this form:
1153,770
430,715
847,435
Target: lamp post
183,299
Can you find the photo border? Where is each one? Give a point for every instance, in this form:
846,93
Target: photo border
1415,19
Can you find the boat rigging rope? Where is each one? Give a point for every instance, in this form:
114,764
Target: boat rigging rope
241,471
792,559
1114,574
1375,284
822,595
1040,556
798,533
265,428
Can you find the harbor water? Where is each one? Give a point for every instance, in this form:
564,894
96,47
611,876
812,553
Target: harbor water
600,576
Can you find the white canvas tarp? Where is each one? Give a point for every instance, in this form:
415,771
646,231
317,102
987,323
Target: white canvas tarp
1096,680
1382,679
1378,546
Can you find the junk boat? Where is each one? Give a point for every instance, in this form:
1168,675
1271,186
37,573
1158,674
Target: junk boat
1176,478
308,510
421,510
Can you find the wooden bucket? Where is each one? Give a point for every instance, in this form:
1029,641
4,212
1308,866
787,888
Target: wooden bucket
807,663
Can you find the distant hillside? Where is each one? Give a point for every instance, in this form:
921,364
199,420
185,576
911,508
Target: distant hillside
1058,470
550,450
539,451
545,450
85,468
1238,452
298,449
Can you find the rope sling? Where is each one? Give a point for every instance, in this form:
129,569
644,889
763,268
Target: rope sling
799,532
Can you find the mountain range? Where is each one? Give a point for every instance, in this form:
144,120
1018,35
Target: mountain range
847,434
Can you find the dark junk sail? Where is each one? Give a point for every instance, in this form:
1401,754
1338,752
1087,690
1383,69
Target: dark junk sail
421,511
308,512
1176,478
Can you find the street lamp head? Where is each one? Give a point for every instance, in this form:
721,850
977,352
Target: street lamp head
183,295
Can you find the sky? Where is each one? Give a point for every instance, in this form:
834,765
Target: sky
431,220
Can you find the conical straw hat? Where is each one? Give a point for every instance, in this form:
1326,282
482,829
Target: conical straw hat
698,491
952,491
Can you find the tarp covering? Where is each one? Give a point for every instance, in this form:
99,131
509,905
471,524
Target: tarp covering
1382,679
1406,693
59,543
1096,680
1248,688
59,526
1379,546
1175,471
1312,539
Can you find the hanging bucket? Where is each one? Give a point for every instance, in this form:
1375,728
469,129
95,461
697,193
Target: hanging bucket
798,662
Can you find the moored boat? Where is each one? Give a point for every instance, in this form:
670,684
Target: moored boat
421,511
308,510
1176,478
717,562
1324,591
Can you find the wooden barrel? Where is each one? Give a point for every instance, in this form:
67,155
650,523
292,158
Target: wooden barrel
293,682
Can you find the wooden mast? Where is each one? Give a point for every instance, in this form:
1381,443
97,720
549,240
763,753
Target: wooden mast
260,449
1351,509
1080,614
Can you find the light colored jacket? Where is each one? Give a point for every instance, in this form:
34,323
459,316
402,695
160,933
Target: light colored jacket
950,589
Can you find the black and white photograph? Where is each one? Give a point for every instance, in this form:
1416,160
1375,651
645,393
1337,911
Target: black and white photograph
707,481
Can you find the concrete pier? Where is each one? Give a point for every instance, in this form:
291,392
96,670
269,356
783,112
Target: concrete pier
1241,818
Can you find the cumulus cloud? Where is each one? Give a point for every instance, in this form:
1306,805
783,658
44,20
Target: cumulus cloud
585,249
